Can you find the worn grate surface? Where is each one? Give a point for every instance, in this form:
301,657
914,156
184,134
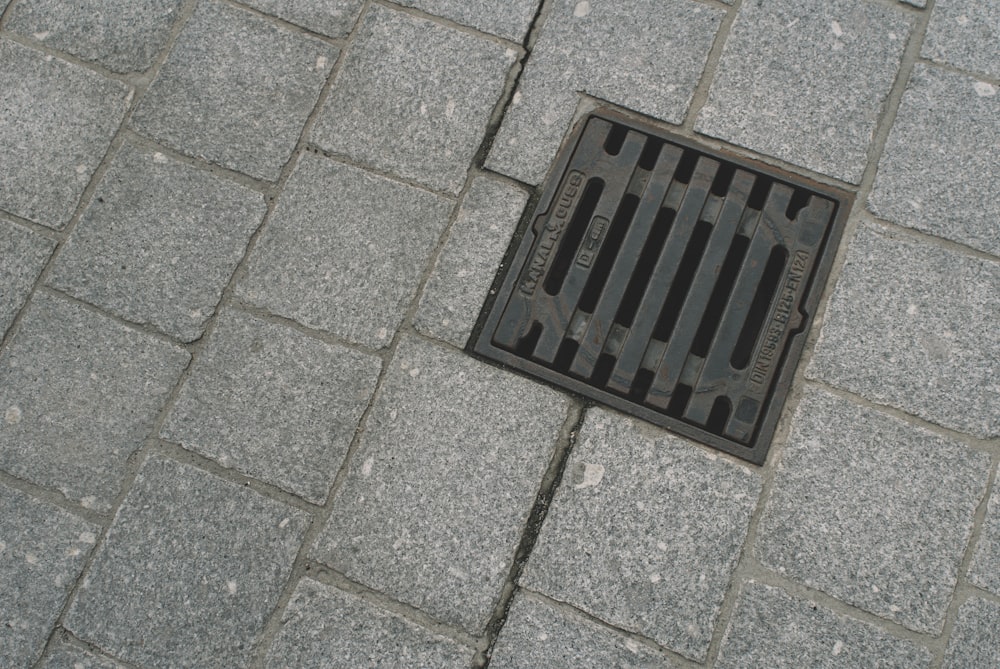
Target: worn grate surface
668,281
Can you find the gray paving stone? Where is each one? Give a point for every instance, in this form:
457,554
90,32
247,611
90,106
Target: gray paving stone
439,491
25,254
770,628
538,635
122,35
434,89
236,90
353,278
914,326
975,639
469,261
333,18
964,33
42,550
190,570
985,568
605,49
644,532
326,627
79,394
58,120
806,82
66,656
273,403
509,19
158,242
940,171
871,510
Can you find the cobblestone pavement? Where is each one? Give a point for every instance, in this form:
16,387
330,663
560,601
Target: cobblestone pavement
242,248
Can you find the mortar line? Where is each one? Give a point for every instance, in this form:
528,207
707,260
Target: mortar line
898,230
576,413
145,328
890,106
71,640
954,69
326,575
150,144
241,305
136,457
964,588
175,451
675,658
988,445
760,574
700,95
130,79
286,24
449,23
345,159
52,496
511,85
30,226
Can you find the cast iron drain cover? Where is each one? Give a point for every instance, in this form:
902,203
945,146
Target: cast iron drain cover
667,280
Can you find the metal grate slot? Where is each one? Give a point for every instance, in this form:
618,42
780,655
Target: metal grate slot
668,281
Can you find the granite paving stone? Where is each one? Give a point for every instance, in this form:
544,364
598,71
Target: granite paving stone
79,393
966,34
42,550
344,250
236,90
913,326
469,261
985,568
25,254
326,627
644,532
605,49
57,123
67,656
158,242
437,496
871,510
121,35
434,88
333,18
537,634
273,403
940,171
771,628
509,19
975,640
806,82
190,570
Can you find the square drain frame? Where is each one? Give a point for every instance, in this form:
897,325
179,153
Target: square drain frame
666,279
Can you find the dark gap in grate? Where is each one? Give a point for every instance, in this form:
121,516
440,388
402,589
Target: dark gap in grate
667,280
685,169
682,284
723,179
759,308
574,235
719,414
609,251
526,346
644,266
650,152
717,302
758,195
616,140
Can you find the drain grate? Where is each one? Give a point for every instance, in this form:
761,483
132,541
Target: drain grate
667,280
